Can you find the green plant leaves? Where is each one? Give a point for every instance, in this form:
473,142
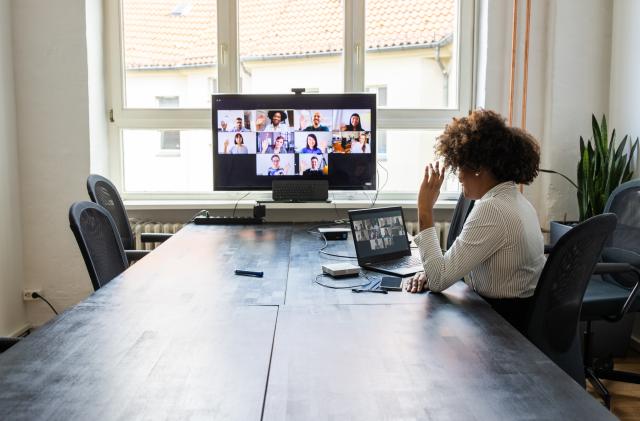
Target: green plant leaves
603,166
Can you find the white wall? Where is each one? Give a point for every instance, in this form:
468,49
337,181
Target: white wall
52,104
624,97
569,53
13,317
579,46
99,141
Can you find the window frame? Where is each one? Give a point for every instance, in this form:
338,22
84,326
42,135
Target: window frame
228,79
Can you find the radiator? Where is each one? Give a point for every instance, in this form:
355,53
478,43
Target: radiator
442,229
138,227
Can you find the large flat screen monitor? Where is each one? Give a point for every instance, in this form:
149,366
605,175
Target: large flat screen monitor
259,138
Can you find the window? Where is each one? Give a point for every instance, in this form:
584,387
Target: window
166,58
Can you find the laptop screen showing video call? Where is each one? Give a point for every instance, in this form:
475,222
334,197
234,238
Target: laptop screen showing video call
379,232
300,136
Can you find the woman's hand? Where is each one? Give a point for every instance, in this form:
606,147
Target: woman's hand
417,283
428,194
265,145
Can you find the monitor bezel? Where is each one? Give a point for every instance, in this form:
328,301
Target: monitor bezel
299,102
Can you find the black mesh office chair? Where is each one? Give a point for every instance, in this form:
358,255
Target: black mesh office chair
553,324
103,192
99,242
611,296
460,213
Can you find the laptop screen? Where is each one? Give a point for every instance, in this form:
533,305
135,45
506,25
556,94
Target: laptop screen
379,233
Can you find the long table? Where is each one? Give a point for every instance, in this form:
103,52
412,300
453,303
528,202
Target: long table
179,336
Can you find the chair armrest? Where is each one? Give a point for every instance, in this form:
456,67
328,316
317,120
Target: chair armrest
154,237
133,255
609,268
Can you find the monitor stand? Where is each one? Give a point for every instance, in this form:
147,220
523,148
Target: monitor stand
300,190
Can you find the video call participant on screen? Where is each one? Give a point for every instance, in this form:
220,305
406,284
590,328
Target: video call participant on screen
278,122
275,168
223,125
362,145
354,125
238,146
312,145
316,126
239,127
315,167
500,245
278,146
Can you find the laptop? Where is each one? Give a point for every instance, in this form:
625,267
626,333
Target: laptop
381,242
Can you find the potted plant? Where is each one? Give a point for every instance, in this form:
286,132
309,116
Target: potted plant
602,167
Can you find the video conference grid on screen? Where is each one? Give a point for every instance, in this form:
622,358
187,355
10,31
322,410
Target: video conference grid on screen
380,234
294,142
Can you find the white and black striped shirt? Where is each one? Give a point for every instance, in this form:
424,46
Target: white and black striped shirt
500,246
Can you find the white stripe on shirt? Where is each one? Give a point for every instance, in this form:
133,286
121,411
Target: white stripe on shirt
500,246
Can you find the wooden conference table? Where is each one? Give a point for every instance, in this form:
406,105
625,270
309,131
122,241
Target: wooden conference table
179,336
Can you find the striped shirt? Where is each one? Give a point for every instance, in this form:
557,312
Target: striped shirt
500,247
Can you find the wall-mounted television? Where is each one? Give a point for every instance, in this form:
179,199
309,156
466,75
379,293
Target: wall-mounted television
259,138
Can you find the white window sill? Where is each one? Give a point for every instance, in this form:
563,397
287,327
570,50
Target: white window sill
248,204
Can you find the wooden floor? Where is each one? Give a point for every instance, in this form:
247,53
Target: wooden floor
625,397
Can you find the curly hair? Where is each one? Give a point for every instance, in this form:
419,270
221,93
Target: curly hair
483,140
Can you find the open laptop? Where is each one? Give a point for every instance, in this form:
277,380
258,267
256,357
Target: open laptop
381,242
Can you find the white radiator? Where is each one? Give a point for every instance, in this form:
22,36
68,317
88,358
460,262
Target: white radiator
442,229
138,227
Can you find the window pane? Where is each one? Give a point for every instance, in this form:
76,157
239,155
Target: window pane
411,52
169,52
404,154
288,44
167,161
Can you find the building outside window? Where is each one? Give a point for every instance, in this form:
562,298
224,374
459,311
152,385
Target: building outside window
416,56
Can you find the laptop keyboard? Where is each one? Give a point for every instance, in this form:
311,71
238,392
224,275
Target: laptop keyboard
403,262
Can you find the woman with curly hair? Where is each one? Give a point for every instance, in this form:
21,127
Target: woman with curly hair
500,246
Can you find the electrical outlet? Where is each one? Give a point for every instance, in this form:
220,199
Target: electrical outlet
26,294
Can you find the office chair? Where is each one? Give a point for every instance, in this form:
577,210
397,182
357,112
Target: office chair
611,296
460,213
103,192
99,242
553,321
6,343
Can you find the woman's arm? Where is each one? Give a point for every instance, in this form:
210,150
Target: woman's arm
481,236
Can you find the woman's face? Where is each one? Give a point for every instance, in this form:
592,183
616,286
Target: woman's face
355,120
362,139
279,142
311,142
470,182
239,140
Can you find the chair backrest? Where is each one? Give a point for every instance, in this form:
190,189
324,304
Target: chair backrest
624,243
624,201
555,309
460,213
99,242
104,193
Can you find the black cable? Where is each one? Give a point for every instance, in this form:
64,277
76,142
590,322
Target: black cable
238,201
321,275
386,180
36,295
326,243
200,212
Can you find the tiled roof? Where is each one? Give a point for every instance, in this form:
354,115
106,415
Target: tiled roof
155,37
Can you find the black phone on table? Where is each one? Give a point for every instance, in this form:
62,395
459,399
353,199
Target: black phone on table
391,283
